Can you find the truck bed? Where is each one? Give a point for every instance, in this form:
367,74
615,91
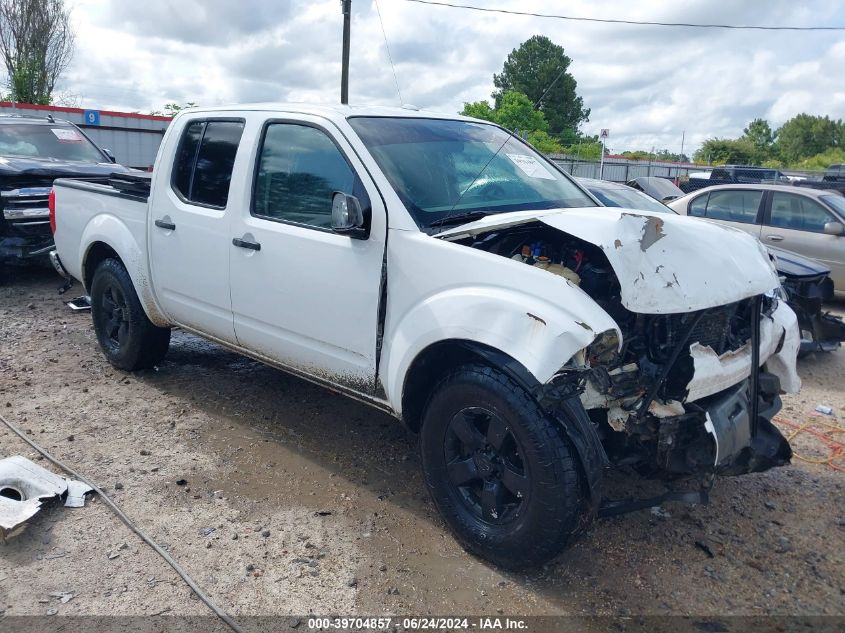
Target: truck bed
114,213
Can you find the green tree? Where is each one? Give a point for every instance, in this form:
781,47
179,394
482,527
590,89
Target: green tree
544,143
172,109
516,112
760,134
36,46
479,110
589,150
823,160
805,135
534,68
721,151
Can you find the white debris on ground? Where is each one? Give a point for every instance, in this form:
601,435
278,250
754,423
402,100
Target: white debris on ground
23,487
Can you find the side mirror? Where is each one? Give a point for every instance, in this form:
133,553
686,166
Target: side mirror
110,154
347,216
834,228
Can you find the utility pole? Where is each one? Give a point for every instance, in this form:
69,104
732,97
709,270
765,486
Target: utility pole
683,134
346,7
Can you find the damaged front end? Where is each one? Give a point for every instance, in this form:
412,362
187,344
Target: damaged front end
679,397
690,387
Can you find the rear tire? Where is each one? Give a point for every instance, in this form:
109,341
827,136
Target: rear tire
127,337
501,473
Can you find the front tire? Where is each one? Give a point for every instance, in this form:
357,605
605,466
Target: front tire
127,337
501,473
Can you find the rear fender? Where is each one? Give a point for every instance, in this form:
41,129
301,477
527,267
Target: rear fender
111,231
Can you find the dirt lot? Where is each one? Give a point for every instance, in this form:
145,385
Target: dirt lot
298,501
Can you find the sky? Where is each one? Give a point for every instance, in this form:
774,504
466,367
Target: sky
648,85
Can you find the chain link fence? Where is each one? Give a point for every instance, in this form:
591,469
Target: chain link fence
623,170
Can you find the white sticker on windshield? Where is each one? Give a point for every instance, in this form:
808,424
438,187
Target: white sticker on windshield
531,166
66,134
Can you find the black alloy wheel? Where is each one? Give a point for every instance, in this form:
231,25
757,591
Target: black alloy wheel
115,309
484,464
501,472
126,335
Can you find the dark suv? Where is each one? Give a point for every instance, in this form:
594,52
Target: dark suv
34,151
747,174
834,173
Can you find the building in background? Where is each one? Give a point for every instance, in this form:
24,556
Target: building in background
133,138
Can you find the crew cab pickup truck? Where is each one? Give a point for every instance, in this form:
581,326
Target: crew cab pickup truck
440,269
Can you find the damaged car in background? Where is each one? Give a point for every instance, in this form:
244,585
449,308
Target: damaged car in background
440,269
34,151
805,282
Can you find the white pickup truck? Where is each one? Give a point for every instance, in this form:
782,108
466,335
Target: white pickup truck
440,269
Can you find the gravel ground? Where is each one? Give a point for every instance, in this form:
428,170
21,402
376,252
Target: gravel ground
283,498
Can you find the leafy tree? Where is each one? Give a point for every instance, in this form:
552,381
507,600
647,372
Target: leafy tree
718,151
663,154
516,112
532,68
544,143
479,110
805,135
36,45
172,109
824,159
760,134
591,150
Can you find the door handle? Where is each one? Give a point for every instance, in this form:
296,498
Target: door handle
253,246
169,226
775,238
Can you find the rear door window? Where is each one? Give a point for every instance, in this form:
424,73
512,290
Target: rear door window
791,211
186,156
734,205
698,206
202,172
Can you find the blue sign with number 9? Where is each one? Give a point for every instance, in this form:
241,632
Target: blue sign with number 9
92,117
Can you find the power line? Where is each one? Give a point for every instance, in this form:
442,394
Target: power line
389,56
745,27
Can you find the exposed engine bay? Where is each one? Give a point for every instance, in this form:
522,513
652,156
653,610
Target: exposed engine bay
677,397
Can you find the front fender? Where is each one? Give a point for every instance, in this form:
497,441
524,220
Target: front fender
540,335
109,230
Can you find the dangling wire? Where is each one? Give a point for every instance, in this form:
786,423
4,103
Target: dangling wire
389,56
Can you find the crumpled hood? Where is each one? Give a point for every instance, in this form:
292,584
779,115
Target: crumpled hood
665,263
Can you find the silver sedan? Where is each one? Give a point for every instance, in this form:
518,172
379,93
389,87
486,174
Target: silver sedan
810,222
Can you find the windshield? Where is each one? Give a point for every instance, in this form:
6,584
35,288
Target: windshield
835,202
626,197
58,141
441,168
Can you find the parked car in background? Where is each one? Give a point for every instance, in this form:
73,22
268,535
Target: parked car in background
834,173
732,174
833,178
34,151
661,189
808,285
615,194
806,282
438,268
809,222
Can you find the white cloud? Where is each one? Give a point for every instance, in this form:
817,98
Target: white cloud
647,84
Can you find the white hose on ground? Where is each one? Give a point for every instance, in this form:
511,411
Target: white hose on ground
149,541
